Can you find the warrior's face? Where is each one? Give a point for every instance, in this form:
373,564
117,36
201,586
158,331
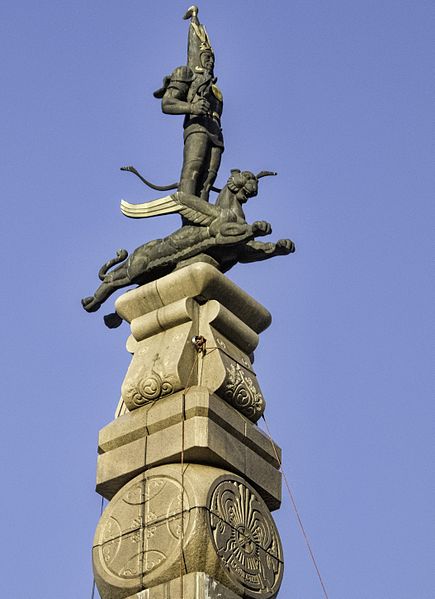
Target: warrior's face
207,61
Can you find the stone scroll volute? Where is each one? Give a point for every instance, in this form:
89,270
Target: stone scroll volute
163,354
226,367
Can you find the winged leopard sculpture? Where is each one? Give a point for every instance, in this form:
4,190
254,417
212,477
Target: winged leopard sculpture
217,233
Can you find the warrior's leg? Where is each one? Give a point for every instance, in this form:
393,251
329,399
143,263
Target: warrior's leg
194,162
214,163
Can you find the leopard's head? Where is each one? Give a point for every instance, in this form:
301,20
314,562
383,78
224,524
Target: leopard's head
243,184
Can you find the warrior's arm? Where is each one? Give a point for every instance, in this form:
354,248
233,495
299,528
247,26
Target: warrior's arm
173,102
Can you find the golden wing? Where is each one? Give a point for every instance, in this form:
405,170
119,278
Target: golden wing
166,205
193,209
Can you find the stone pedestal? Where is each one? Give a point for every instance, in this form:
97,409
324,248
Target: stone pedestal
190,477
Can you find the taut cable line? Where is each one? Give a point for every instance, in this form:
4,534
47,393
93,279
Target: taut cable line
296,511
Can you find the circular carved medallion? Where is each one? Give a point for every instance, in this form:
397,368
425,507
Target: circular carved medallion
141,529
245,537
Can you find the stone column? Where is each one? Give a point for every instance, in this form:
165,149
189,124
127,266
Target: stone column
190,477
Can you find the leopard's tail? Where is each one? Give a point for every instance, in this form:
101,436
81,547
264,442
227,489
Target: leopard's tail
121,255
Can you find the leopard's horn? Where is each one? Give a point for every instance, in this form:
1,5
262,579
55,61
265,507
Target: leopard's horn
266,174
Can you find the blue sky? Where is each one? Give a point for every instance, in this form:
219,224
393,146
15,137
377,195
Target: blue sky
338,98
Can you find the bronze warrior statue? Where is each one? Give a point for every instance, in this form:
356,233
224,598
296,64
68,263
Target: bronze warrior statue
191,90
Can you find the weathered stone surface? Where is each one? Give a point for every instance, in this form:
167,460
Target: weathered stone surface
201,281
214,434
196,585
172,520
158,415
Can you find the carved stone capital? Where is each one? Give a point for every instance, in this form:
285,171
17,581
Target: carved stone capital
200,281
165,315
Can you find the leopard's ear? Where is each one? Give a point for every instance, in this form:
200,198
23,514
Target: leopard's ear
235,171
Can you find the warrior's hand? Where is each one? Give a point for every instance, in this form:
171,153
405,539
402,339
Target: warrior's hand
261,227
200,107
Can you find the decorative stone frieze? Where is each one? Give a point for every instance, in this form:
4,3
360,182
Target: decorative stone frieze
176,520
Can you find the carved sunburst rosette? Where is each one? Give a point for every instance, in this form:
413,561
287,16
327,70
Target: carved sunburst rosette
245,537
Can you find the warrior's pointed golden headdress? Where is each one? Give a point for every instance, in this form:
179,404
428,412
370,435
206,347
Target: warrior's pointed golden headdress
198,41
